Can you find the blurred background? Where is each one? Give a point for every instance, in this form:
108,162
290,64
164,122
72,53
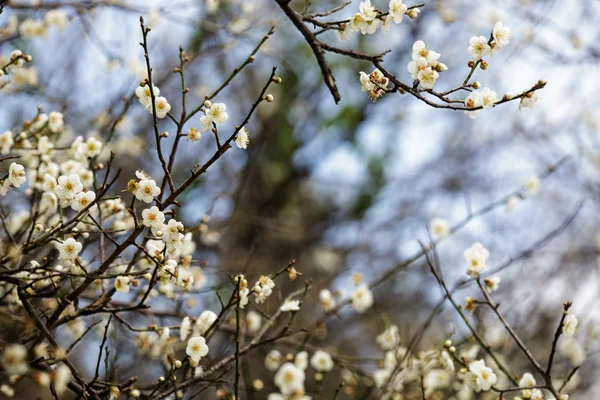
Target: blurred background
349,188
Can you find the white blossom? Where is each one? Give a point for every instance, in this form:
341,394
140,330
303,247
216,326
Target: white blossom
500,34
290,305
481,377
478,47
196,348
321,361
146,190
122,284
16,174
273,360
389,339
82,200
289,379
68,249
473,100
476,258
570,325
362,298
242,138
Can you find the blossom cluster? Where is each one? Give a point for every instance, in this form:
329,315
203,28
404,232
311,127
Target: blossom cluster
369,18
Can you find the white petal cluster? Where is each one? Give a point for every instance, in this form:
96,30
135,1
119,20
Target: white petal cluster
390,338
321,361
368,19
263,289
196,349
146,189
327,300
570,325
374,83
68,249
161,104
476,258
362,298
425,66
213,114
290,305
290,379
485,98
481,377
242,139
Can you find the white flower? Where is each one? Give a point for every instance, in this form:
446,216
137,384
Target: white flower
273,360
448,362
327,301
440,228
536,394
365,82
16,174
436,379
56,122
473,100
91,148
389,339
146,190
528,101
217,113
14,359
122,284
6,142
362,298
185,328
492,284
489,98
144,96
346,32
397,10
68,249
476,258
82,200
381,376
367,10
196,348
61,378
527,380
570,325
420,50
205,123
481,377
57,18
242,139
289,379
253,321
193,135
45,145
532,185
301,360
321,361
415,66
263,289
290,305
153,218
366,27
500,34
162,107
478,47
427,77
205,321
68,187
